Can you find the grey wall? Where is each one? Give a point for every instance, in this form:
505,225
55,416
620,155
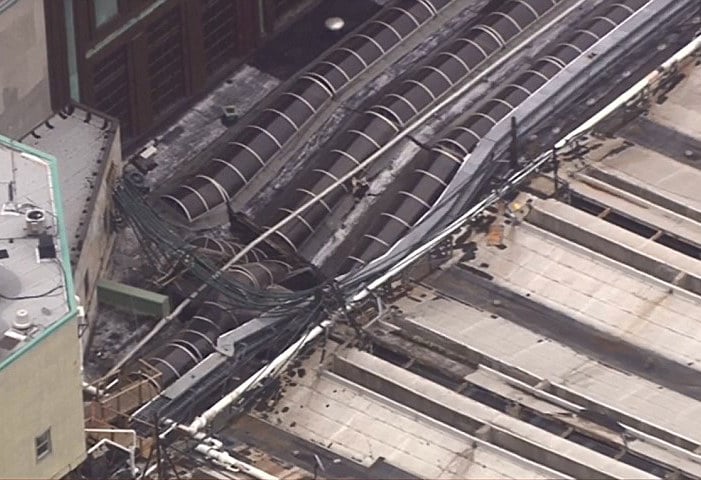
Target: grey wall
24,76
99,239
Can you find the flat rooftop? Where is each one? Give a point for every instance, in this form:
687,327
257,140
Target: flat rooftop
80,140
35,283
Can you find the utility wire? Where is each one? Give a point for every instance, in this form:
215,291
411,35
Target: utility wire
30,297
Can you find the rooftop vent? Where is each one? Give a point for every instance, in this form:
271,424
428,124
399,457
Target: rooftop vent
35,220
22,321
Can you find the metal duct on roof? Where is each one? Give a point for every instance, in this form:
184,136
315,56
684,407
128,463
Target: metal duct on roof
434,170
421,88
199,337
235,163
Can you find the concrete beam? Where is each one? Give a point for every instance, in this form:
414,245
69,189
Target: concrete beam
626,247
474,418
644,191
476,356
132,299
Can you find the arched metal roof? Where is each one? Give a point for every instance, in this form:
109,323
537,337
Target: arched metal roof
435,170
419,89
236,163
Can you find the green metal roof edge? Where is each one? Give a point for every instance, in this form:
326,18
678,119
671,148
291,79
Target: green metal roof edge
69,287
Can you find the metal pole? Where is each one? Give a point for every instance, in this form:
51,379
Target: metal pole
224,458
590,123
623,99
159,465
556,165
513,160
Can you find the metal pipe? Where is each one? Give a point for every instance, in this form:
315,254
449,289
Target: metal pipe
150,470
225,459
684,52
512,114
131,451
199,436
91,389
271,369
428,246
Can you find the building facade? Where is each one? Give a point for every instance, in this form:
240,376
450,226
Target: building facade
142,61
24,76
41,403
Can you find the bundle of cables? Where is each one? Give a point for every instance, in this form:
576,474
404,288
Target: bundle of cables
164,246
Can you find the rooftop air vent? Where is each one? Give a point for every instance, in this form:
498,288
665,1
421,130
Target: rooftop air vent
35,220
22,321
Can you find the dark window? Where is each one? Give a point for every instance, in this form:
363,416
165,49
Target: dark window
86,283
166,68
219,33
111,85
5,4
104,11
42,443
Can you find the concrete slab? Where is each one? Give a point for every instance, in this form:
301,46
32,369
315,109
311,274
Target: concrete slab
502,430
34,291
682,109
646,212
657,173
597,293
556,362
622,245
363,427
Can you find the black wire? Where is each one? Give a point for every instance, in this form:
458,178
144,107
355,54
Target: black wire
355,279
281,338
30,297
152,230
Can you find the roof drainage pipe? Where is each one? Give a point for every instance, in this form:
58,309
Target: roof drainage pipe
234,164
406,100
223,458
131,450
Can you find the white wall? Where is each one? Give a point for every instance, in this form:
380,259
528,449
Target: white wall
42,389
24,75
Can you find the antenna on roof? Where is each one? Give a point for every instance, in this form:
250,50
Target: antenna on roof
9,208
